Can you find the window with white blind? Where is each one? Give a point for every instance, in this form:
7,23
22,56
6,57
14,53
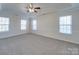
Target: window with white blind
65,24
34,24
4,24
23,24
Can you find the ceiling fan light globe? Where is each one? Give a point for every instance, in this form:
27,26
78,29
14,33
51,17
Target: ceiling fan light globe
30,10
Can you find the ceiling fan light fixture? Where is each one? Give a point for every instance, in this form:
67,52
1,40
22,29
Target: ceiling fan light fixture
31,10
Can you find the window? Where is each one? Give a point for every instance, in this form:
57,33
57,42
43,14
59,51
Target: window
65,24
4,24
34,25
23,24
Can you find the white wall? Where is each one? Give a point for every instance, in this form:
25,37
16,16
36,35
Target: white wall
14,27
48,26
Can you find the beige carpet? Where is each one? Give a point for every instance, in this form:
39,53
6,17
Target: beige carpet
31,44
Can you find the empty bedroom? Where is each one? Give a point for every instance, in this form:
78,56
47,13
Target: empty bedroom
39,28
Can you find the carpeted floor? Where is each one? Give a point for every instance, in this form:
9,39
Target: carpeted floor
31,44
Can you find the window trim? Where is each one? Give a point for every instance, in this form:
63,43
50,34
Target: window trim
5,24
34,25
65,25
22,24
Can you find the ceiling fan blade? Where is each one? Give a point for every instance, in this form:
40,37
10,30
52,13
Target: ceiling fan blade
35,11
31,5
37,8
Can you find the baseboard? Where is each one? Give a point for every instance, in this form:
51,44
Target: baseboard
13,36
41,35
57,39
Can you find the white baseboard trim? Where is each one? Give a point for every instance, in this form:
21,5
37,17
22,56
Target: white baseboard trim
41,35
13,36
57,38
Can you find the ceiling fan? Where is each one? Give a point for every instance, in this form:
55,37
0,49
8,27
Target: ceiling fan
31,8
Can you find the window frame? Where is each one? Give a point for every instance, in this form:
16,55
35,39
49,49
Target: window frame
4,23
23,24
34,26
65,27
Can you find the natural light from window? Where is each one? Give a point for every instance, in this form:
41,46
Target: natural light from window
34,25
4,24
65,24
23,24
